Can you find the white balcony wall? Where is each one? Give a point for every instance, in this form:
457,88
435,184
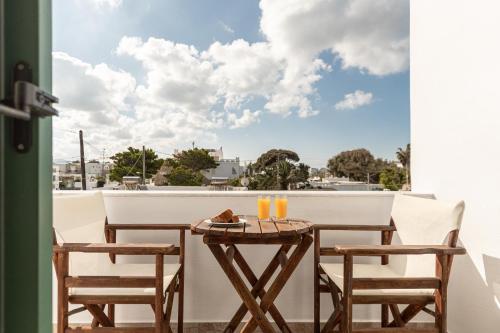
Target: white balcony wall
455,124
209,295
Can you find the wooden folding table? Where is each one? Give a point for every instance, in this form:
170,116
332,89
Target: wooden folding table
289,233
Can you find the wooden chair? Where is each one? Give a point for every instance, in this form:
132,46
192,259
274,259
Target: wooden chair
416,277
84,256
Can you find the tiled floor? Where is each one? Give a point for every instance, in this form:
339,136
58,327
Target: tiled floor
296,327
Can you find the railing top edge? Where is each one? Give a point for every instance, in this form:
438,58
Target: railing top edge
333,194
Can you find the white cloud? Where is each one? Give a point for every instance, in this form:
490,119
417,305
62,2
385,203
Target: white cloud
226,28
100,4
366,34
247,118
355,100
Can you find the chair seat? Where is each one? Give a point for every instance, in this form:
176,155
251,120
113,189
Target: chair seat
336,273
147,270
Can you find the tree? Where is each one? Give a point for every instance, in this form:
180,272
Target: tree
185,168
392,178
377,167
355,164
129,162
276,170
273,156
182,176
404,157
196,159
299,174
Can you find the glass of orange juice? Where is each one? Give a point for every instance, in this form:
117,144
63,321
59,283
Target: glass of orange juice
281,204
264,207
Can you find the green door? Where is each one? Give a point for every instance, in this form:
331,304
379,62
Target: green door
25,178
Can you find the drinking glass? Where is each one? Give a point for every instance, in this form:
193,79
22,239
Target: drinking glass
281,204
263,207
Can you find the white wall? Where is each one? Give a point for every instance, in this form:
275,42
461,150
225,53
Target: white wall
209,295
455,123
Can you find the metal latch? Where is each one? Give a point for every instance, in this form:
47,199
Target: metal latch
27,101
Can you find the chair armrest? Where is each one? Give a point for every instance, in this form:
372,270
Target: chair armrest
131,249
149,226
370,250
355,227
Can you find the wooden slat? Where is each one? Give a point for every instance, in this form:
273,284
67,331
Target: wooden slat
392,299
236,231
395,283
268,229
252,228
111,299
109,330
217,231
395,330
301,226
247,240
397,249
134,249
200,227
285,228
332,252
148,226
109,282
354,227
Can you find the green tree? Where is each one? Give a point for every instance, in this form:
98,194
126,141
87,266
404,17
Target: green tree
404,157
377,167
276,170
129,163
355,164
196,159
273,156
392,178
182,176
299,174
185,167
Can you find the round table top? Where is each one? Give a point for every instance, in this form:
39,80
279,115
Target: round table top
254,228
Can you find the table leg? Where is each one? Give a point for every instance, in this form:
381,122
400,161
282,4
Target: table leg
280,280
258,314
258,289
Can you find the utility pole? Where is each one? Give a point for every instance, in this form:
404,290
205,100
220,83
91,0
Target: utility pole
102,164
82,163
143,165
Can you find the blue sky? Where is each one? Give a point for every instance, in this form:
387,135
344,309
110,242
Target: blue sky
317,78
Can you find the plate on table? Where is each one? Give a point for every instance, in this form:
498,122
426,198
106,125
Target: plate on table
226,225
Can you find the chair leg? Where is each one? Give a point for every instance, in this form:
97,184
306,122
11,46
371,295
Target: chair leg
441,297
317,245
347,295
111,313
62,292
385,315
159,294
169,305
180,303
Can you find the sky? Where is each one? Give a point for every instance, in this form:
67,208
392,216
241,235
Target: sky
317,76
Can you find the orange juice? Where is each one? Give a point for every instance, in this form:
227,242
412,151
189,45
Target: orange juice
264,207
281,204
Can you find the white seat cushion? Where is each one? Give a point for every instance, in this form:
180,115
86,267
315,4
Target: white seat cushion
336,273
169,271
